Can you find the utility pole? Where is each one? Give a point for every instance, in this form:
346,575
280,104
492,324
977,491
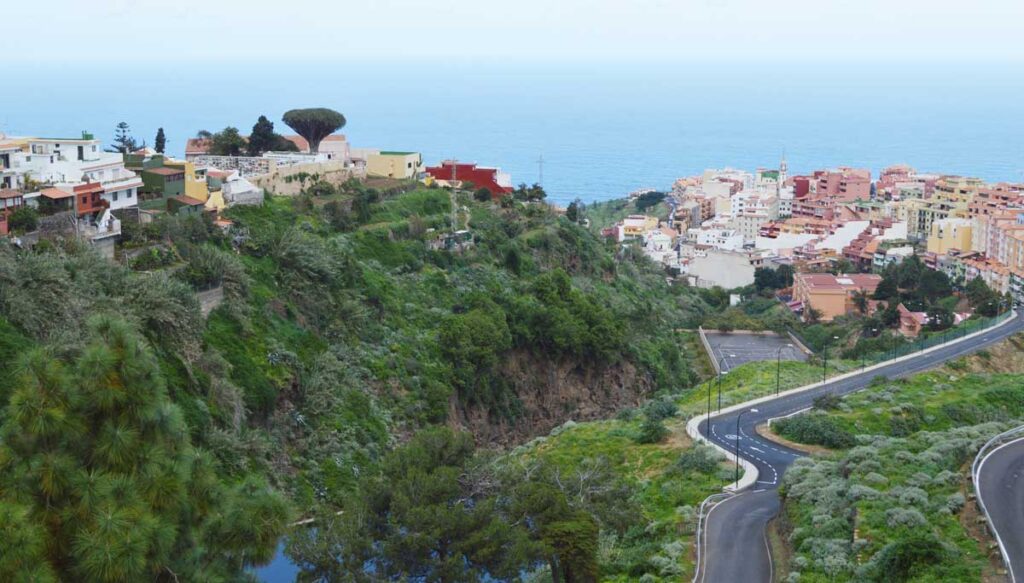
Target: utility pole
454,198
540,170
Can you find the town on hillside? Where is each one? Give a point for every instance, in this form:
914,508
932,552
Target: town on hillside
836,229
75,187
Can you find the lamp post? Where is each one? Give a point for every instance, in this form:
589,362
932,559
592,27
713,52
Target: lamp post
738,417
720,373
778,368
709,405
824,367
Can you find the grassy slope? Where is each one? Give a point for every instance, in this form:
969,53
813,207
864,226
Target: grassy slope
916,437
667,498
606,214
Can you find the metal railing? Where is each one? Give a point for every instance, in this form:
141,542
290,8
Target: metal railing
933,339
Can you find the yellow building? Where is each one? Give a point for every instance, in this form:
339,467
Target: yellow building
195,185
394,164
950,233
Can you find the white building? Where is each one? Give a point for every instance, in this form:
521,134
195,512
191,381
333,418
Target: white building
786,202
659,247
67,162
9,177
717,237
239,191
727,269
752,210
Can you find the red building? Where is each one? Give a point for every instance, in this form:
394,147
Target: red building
801,186
10,201
89,198
492,179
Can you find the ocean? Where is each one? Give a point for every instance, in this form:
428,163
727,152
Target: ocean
602,129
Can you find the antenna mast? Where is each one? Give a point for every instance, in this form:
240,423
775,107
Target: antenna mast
455,164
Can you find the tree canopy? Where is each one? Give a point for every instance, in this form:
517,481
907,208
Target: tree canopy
124,143
160,143
96,463
314,124
227,142
264,139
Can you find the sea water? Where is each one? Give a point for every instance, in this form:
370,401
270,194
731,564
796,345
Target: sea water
602,129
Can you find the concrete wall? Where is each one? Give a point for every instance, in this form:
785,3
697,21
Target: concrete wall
722,268
210,299
277,182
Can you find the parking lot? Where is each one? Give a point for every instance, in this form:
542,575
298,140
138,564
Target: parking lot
734,349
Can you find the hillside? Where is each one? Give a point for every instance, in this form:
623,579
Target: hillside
890,501
349,324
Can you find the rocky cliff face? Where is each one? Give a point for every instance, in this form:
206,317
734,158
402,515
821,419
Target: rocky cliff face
551,393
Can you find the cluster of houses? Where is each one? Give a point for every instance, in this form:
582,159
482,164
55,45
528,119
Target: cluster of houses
78,187
725,223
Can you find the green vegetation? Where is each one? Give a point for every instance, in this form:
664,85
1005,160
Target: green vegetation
900,484
606,214
348,327
816,430
98,473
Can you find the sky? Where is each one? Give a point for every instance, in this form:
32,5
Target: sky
525,30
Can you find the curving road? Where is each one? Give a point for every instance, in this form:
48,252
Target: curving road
1000,484
735,545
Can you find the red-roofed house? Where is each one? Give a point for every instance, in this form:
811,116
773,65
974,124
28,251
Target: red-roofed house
197,147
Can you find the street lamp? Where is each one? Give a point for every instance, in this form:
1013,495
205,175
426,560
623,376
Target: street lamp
738,417
778,368
824,367
720,373
710,383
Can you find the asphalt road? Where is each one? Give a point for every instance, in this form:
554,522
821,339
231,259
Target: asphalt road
1001,487
732,350
735,542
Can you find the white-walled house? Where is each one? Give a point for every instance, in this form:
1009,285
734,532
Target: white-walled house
71,161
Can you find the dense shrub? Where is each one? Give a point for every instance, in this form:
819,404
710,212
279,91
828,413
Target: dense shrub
815,429
700,458
651,431
660,409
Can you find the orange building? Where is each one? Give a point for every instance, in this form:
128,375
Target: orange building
832,295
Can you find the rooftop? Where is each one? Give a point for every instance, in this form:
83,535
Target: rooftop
187,200
164,171
8,193
55,193
843,281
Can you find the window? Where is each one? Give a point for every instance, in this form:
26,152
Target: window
85,200
115,197
129,194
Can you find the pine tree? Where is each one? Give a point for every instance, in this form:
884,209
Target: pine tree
95,452
262,139
160,143
124,143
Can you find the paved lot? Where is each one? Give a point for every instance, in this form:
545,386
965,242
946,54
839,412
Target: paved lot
736,349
